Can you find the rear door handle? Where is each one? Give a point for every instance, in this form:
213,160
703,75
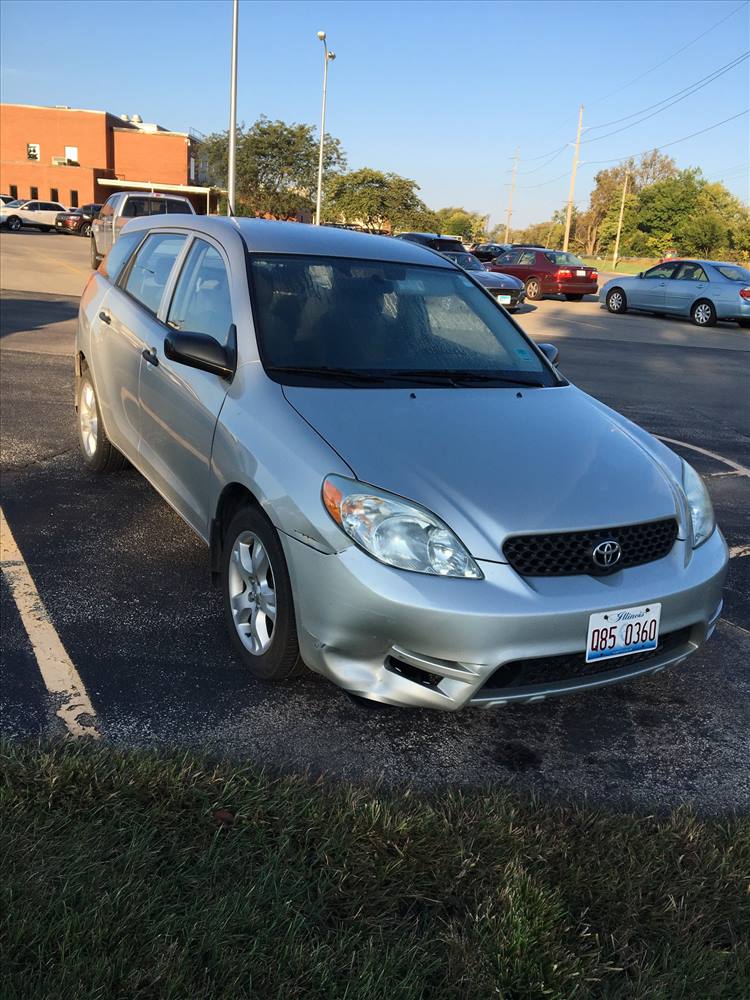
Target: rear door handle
149,354
105,317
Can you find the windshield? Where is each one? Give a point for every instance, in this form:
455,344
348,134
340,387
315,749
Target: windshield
560,257
324,318
465,260
17,203
733,271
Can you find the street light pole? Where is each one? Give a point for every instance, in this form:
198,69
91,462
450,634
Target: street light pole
571,193
232,171
509,213
328,57
619,224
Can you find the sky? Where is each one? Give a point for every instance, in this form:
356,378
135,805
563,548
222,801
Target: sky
441,92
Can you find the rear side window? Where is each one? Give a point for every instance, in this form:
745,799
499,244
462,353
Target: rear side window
733,272
177,207
151,268
135,208
113,264
527,257
201,302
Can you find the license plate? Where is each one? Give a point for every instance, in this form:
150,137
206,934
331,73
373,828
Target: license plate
580,274
504,300
622,632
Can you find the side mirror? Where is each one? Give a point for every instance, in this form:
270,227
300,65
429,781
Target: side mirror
198,350
640,274
550,352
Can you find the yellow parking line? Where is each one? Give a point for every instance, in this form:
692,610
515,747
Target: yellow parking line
58,673
64,263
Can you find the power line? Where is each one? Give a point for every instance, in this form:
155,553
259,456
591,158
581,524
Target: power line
528,187
664,145
680,95
525,173
672,56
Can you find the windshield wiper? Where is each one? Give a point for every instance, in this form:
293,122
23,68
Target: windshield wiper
458,377
327,371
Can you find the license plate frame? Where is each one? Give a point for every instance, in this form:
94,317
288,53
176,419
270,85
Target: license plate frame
504,300
580,274
623,632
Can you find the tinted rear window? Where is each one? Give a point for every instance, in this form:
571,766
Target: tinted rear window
176,207
560,257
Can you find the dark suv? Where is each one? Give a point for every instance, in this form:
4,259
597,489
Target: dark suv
488,251
444,244
77,220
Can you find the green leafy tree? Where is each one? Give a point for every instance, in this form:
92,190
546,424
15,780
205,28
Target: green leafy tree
470,226
277,166
378,201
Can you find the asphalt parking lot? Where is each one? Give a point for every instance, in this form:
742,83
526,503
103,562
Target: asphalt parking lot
126,585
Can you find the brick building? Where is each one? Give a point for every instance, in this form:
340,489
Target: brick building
76,157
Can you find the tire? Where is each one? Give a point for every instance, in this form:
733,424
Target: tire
13,223
703,313
574,298
94,256
97,451
616,301
533,289
254,579
744,323
85,230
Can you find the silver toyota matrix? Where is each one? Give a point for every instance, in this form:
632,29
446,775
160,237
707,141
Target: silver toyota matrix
398,488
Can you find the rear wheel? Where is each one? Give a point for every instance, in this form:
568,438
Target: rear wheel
95,258
616,301
533,289
258,604
98,452
703,313
745,323
574,298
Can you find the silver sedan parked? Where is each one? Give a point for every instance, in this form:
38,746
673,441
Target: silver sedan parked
398,488
704,290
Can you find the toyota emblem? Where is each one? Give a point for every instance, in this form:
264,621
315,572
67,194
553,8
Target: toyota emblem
606,554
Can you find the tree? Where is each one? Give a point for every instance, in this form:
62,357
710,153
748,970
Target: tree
377,200
469,226
277,166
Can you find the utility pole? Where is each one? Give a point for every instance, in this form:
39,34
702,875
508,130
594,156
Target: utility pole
509,213
571,192
619,224
232,171
328,57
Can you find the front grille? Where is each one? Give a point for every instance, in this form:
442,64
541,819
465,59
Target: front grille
569,553
569,666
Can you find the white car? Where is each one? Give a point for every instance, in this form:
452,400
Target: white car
37,214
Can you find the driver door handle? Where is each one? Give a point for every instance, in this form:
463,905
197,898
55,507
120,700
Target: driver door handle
149,354
105,318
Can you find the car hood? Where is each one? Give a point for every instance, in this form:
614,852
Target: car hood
492,462
494,279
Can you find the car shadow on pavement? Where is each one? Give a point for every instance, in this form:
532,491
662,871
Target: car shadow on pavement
21,313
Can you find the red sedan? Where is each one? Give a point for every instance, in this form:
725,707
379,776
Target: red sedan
548,272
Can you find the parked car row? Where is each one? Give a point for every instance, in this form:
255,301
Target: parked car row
35,214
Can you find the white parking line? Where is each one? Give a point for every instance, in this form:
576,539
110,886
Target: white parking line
58,673
740,469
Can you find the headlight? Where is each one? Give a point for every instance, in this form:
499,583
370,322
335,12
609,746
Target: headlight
396,532
699,502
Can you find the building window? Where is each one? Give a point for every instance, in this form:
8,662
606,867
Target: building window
34,193
32,151
13,189
71,154
74,199
53,194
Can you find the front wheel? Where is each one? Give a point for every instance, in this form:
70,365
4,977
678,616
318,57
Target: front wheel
703,313
14,223
258,604
616,301
85,229
99,454
533,289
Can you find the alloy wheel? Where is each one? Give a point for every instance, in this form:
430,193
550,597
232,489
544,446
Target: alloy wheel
702,314
14,225
252,593
615,301
88,420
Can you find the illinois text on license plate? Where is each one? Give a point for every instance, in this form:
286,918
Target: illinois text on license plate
622,632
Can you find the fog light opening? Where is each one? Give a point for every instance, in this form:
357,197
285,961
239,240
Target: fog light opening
412,673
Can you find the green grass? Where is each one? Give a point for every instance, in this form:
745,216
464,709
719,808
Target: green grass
134,875
623,266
